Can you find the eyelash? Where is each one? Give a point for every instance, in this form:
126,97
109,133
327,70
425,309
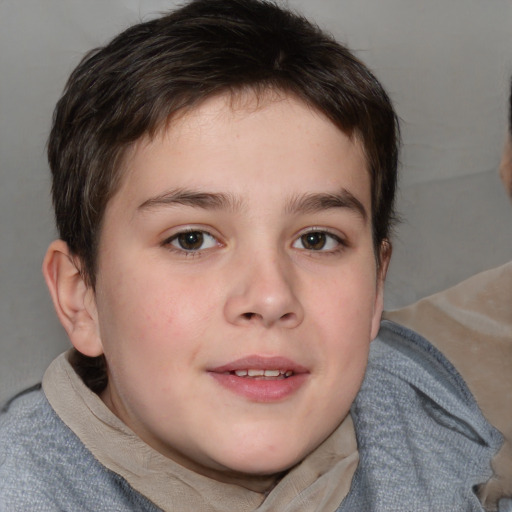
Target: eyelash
328,239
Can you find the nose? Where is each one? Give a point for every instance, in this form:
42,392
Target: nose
264,291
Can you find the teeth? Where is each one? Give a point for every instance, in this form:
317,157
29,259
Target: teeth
253,372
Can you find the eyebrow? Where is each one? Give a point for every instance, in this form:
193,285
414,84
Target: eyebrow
317,202
304,203
205,200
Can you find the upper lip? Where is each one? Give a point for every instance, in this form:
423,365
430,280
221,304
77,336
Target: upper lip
255,362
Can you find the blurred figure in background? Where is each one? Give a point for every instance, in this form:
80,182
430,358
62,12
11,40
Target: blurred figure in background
471,323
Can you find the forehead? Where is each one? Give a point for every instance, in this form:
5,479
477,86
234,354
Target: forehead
272,136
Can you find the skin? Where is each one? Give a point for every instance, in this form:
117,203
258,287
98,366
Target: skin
506,166
258,286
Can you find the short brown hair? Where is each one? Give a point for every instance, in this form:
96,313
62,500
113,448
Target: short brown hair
135,84
510,110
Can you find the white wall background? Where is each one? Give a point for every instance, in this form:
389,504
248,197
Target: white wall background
445,63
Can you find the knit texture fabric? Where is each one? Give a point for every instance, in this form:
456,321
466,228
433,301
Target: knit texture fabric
45,468
423,442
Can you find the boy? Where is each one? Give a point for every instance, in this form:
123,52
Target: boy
223,182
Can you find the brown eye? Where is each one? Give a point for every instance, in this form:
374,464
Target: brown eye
319,241
314,241
192,241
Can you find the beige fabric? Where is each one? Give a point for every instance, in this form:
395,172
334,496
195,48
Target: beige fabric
320,482
471,324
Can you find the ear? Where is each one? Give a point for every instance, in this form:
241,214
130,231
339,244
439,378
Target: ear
73,299
385,251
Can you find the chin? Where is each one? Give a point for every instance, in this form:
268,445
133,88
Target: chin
265,469
266,462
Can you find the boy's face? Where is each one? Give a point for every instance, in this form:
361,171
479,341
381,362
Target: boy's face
239,243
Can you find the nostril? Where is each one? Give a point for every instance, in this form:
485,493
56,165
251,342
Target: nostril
250,316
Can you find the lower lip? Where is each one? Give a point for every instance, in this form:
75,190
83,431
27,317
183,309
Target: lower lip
260,390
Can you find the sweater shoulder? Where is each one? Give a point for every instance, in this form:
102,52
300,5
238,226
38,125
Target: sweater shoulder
423,442
413,368
45,467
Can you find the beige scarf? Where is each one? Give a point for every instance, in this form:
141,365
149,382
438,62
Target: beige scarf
319,482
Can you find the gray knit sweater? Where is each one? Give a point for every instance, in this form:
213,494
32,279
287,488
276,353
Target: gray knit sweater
423,444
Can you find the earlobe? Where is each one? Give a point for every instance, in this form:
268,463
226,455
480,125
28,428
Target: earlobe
384,259
73,300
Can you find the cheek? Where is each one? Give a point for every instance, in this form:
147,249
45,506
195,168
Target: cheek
155,319
343,313
344,302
